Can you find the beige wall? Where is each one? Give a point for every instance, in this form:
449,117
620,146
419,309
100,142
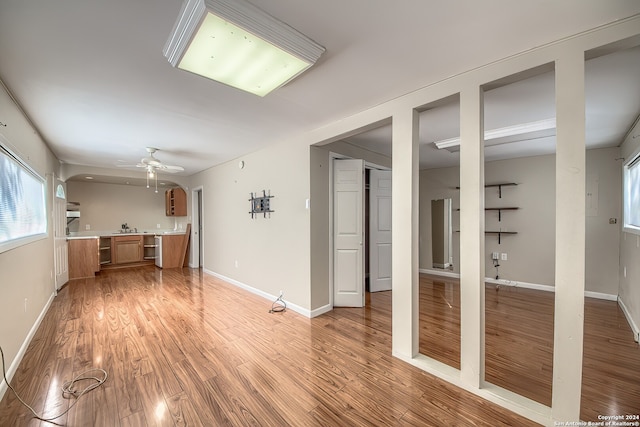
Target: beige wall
531,252
630,248
603,238
105,207
26,272
272,254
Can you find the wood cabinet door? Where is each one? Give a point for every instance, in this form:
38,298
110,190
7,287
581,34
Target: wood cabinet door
83,258
175,201
128,249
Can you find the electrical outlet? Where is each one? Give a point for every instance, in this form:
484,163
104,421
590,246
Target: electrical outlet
495,255
87,227
157,225
504,256
624,272
236,263
25,305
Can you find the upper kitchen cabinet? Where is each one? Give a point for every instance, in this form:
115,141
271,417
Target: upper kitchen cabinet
176,202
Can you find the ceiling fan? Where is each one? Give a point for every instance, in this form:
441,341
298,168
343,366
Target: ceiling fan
153,165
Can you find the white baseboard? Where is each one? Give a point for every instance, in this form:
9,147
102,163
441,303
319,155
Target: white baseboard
536,286
258,292
600,295
439,273
324,309
517,284
13,367
632,324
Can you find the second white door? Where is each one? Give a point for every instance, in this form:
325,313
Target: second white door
379,230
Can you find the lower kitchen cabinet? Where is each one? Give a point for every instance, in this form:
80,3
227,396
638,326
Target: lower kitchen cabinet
84,257
127,249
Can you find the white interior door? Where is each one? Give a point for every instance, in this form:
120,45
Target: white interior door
60,247
379,230
348,233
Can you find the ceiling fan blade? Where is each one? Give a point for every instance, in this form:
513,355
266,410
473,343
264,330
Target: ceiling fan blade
139,165
171,168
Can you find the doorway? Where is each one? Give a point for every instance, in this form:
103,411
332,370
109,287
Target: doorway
360,216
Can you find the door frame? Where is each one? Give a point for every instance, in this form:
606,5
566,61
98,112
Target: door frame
367,165
58,230
197,227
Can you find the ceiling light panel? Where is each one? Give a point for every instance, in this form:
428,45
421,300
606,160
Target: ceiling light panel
234,42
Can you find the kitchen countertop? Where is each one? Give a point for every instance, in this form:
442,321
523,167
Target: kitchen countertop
96,234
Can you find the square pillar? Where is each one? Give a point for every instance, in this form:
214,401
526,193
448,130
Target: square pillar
405,176
570,238
472,295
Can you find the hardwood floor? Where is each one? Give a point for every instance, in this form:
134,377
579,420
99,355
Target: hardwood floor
182,348
519,344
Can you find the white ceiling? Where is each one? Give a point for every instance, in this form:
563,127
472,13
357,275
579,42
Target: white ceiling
612,95
91,76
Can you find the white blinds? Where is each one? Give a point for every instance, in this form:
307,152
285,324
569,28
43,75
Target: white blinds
22,203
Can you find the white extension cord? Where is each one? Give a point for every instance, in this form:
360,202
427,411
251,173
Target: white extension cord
68,388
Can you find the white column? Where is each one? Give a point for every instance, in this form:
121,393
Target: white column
404,213
471,237
570,238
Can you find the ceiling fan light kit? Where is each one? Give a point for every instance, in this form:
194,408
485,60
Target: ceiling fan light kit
238,44
152,166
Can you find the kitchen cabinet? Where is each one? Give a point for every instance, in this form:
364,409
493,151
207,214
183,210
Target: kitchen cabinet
105,250
175,202
127,249
149,247
171,250
84,257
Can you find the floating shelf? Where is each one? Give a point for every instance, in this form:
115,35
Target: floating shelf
505,184
500,233
500,211
500,185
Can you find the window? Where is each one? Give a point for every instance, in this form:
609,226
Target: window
632,194
23,217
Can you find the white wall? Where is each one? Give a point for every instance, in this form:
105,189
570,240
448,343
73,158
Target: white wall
26,272
629,294
105,207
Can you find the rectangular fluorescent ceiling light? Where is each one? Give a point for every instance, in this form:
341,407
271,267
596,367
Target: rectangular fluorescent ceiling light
521,132
238,44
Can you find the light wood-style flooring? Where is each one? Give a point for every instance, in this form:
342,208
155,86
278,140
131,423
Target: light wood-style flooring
182,348
519,344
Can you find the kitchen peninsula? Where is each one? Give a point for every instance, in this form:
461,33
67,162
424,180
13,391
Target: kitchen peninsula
90,252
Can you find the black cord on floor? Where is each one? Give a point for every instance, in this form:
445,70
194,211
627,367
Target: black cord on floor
68,389
278,305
